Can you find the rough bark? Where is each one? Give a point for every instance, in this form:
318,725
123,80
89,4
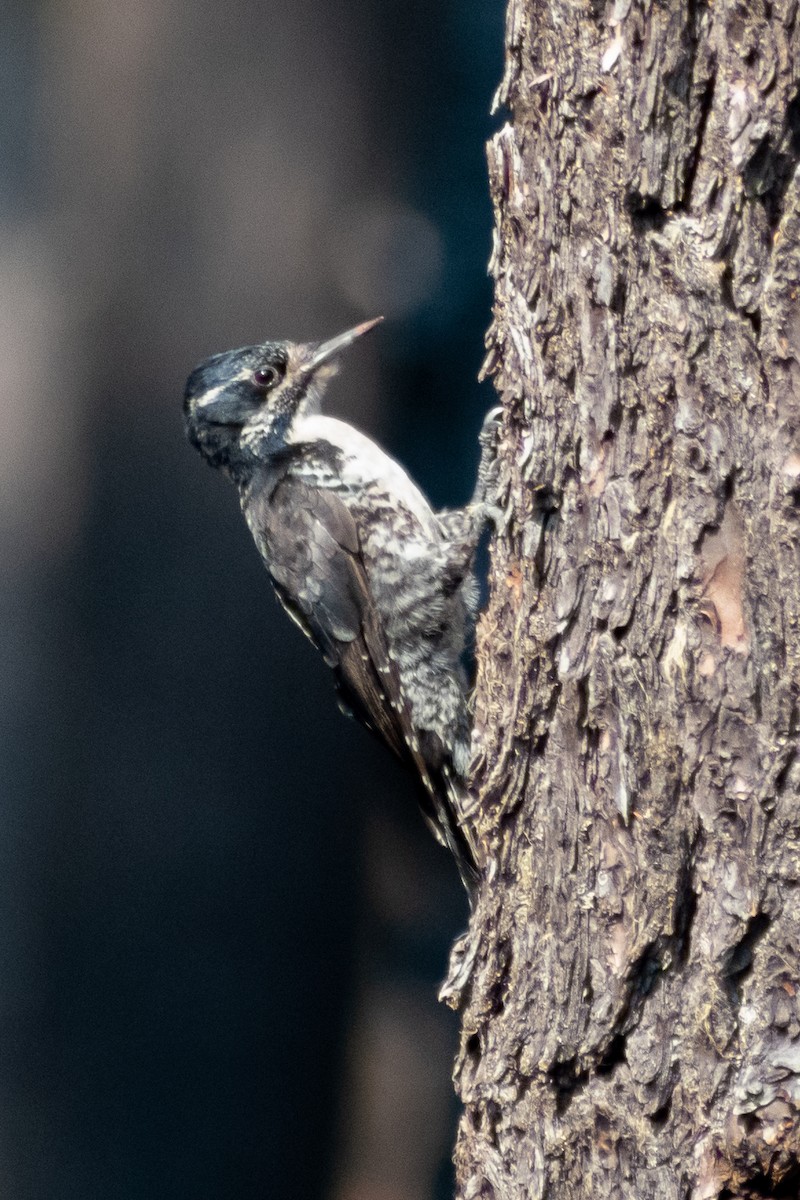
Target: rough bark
632,1028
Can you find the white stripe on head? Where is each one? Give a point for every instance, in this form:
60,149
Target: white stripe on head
210,396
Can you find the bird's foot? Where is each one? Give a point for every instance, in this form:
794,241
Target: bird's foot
486,484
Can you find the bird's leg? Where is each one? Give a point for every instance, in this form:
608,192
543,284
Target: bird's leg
464,526
486,482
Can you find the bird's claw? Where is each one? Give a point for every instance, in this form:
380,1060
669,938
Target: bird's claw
491,427
487,469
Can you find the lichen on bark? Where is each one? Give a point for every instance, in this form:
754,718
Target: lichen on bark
632,1027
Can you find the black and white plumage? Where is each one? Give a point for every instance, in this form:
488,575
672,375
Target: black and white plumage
380,583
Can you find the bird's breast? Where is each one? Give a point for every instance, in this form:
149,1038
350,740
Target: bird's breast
362,465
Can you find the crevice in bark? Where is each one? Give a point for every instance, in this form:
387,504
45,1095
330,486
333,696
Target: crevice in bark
472,1048
539,744
662,1113
496,993
491,1115
729,485
646,212
567,1078
706,106
614,1055
644,972
546,504
783,774
739,959
769,170
726,287
761,1185
685,907
582,715
618,632
642,979
753,316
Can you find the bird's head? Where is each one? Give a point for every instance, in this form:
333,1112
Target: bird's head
272,384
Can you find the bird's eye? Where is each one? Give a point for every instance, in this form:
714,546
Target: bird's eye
265,377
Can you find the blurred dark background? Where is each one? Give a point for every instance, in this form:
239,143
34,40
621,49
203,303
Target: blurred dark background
222,922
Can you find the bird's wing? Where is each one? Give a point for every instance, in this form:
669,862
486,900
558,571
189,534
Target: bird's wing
311,543
313,553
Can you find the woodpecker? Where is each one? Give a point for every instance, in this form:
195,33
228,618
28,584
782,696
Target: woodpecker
380,583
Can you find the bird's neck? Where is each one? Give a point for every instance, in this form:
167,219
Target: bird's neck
261,444
263,439
266,437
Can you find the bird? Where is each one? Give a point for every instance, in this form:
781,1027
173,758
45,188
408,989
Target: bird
382,585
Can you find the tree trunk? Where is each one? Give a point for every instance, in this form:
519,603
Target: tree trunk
632,1025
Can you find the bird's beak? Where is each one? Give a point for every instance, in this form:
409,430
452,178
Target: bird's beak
330,349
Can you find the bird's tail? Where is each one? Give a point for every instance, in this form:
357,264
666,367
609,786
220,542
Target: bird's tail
443,805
